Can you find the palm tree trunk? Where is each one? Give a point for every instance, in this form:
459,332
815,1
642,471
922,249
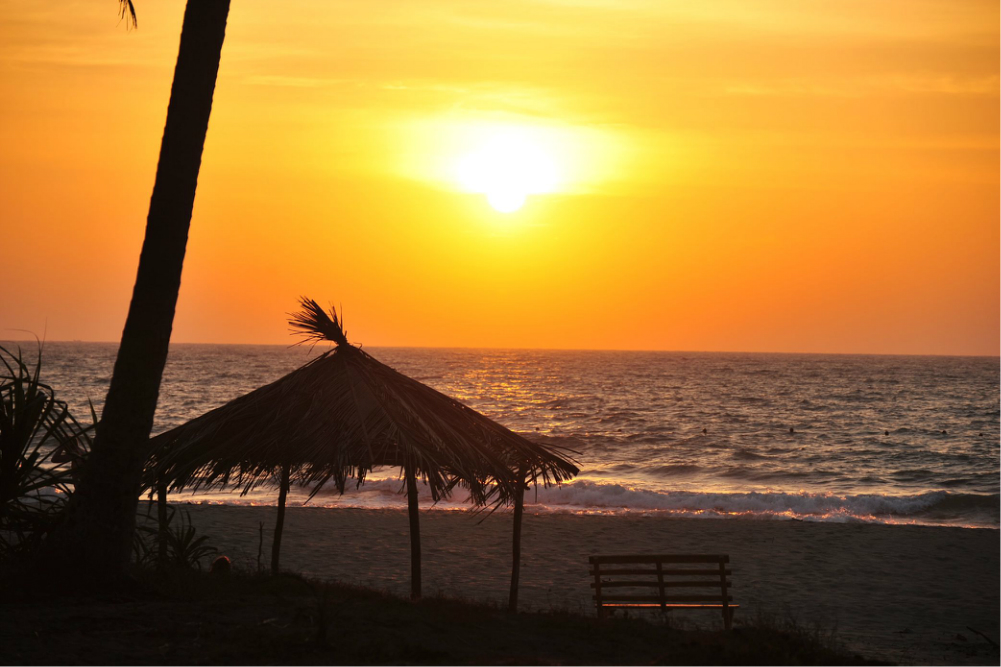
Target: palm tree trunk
415,533
276,545
97,533
519,508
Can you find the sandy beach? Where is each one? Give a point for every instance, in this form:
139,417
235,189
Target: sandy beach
907,594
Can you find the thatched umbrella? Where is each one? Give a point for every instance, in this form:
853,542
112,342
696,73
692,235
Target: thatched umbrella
345,413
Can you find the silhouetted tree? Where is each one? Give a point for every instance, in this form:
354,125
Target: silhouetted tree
98,528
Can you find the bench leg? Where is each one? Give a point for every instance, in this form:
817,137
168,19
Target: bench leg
728,618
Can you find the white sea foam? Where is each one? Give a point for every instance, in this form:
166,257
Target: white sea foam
586,497
933,507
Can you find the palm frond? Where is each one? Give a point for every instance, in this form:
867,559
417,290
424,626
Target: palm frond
127,11
41,444
314,325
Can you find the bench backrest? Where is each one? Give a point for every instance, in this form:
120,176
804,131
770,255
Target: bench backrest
672,579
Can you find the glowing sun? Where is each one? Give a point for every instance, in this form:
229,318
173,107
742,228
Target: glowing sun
507,168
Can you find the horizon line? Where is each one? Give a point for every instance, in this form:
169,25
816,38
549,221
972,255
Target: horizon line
556,349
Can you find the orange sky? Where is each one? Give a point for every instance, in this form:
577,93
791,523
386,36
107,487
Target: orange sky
756,176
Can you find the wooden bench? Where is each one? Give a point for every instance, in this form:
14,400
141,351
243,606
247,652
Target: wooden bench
625,581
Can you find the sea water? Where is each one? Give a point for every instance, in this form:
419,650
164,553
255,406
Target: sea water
888,439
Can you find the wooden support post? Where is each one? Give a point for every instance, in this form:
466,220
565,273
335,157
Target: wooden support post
660,586
597,589
727,612
415,532
161,520
519,508
276,545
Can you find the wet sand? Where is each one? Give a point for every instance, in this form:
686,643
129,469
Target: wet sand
907,594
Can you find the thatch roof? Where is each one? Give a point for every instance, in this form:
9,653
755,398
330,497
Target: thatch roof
343,414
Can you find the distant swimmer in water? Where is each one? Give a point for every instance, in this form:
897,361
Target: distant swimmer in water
791,430
704,432
944,432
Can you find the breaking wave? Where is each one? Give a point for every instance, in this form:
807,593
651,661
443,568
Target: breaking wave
938,508
933,508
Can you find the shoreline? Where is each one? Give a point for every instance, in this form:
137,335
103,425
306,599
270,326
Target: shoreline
589,496
901,593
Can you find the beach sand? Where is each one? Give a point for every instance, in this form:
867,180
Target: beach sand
906,594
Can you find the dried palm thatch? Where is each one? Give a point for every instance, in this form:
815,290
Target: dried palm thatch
343,414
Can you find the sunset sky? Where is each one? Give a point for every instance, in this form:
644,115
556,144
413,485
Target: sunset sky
748,176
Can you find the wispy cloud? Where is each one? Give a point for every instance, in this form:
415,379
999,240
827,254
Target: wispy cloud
867,86
283,81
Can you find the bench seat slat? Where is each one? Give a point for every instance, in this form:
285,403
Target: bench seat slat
668,573
656,598
667,558
656,584
672,606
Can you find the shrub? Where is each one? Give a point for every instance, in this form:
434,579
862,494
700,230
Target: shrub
184,547
41,445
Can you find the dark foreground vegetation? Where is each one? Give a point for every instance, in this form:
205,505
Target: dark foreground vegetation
189,617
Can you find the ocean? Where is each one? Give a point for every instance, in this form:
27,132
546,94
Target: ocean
843,438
